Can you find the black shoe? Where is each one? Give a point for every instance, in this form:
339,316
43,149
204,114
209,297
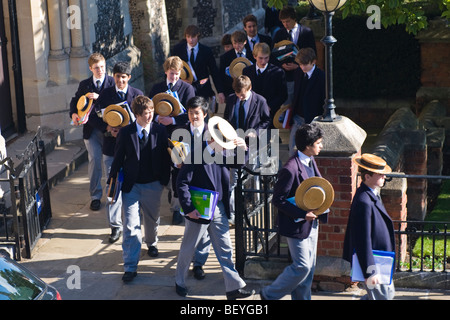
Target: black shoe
115,235
129,276
181,291
152,251
199,274
95,205
239,294
177,218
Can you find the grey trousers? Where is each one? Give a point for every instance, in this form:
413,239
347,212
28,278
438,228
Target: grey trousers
380,292
148,198
219,234
94,150
113,210
296,279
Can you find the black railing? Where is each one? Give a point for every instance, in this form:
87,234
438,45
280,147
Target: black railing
422,245
30,211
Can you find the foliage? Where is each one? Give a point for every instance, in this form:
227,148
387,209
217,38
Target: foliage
278,4
410,13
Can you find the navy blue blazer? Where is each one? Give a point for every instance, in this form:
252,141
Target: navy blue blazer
213,176
107,97
87,86
305,40
309,102
127,155
204,66
258,116
225,61
369,228
262,38
271,84
289,178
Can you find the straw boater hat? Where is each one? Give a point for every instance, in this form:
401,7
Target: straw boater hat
177,151
237,65
372,163
222,132
166,105
314,194
84,106
276,119
116,116
284,43
186,73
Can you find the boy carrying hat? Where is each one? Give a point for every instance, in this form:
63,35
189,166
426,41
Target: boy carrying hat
370,226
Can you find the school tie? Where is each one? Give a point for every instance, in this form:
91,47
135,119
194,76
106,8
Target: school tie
99,84
291,35
253,41
143,139
170,85
121,95
192,57
258,72
144,135
242,115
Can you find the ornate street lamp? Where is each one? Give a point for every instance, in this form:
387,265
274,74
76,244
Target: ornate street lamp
328,7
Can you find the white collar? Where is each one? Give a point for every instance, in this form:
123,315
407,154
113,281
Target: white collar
200,128
101,80
310,72
139,128
304,158
190,48
124,90
261,69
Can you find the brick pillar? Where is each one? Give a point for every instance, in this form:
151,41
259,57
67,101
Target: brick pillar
341,172
415,162
342,141
394,199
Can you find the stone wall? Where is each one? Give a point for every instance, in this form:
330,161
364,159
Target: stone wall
151,35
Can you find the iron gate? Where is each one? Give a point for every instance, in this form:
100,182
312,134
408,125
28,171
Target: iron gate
21,224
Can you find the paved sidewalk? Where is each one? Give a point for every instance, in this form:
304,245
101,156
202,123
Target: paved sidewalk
77,239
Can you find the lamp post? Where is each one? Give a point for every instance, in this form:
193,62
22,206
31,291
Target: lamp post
328,7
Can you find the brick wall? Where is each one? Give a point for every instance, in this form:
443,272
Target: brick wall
435,64
341,172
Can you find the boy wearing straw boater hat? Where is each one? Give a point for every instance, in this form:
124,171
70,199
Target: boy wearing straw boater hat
115,105
302,197
141,153
93,129
369,226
